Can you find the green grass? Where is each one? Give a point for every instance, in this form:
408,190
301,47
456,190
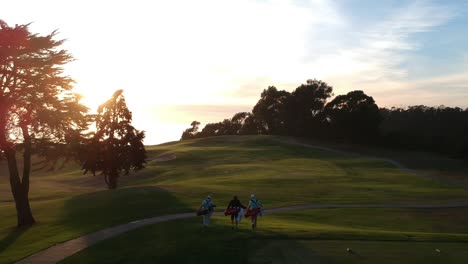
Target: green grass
427,163
304,175
374,235
334,251
63,219
67,204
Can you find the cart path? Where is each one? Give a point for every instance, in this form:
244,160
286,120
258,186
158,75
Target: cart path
391,161
68,248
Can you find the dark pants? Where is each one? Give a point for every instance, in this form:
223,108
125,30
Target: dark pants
234,216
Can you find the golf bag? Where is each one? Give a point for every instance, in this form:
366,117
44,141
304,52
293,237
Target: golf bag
231,211
202,212
252,212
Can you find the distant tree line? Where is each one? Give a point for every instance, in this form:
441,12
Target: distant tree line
351,118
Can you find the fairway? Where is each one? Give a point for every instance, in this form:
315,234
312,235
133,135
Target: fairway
384,236
68,204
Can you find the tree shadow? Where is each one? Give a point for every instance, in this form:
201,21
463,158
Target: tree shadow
97,210
14,234
271,247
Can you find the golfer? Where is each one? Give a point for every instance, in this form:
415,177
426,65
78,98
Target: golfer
237,205
255,206
208,205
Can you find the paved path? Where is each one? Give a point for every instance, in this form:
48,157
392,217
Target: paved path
60,251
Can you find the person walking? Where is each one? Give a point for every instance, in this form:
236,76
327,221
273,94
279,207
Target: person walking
234,208
207,205
253,209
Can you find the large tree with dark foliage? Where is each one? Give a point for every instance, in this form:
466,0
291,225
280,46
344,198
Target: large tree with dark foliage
38,111
211,129
238,121
353,116
249,124
117,147
191,132
304,106
270,111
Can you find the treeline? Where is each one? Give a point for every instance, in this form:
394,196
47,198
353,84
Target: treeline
353,117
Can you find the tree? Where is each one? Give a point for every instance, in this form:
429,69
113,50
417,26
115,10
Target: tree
38,111
250,126
270,110
227,128
244,123
190,132
354,116
211,129
304,107
442,129
237,122
117,147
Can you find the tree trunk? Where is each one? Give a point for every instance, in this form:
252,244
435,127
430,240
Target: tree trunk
20,193
111,181
23,209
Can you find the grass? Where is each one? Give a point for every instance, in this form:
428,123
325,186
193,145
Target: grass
333,251
383,235
427,163
68,204
63,219
304,175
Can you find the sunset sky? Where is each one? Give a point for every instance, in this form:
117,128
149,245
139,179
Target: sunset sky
180,61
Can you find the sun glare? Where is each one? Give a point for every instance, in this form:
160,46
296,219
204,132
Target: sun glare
225,54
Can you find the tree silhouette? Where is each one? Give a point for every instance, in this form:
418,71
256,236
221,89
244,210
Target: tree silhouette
117,147
38,111
191,132
245,123
442,129
354,116
304,106
270,111
351,117
237,121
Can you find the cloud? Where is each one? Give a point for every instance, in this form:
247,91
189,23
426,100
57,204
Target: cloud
382,47
370,57
375,62
449,90
213,58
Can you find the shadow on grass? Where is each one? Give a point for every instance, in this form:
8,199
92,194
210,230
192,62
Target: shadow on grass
14,234
186,241
97,210
439,163
271,247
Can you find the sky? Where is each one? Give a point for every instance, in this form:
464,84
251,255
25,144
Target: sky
179,61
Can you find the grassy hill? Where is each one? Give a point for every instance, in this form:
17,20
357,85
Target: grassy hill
68,204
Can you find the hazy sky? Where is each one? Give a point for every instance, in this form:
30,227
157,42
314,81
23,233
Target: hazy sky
180,61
